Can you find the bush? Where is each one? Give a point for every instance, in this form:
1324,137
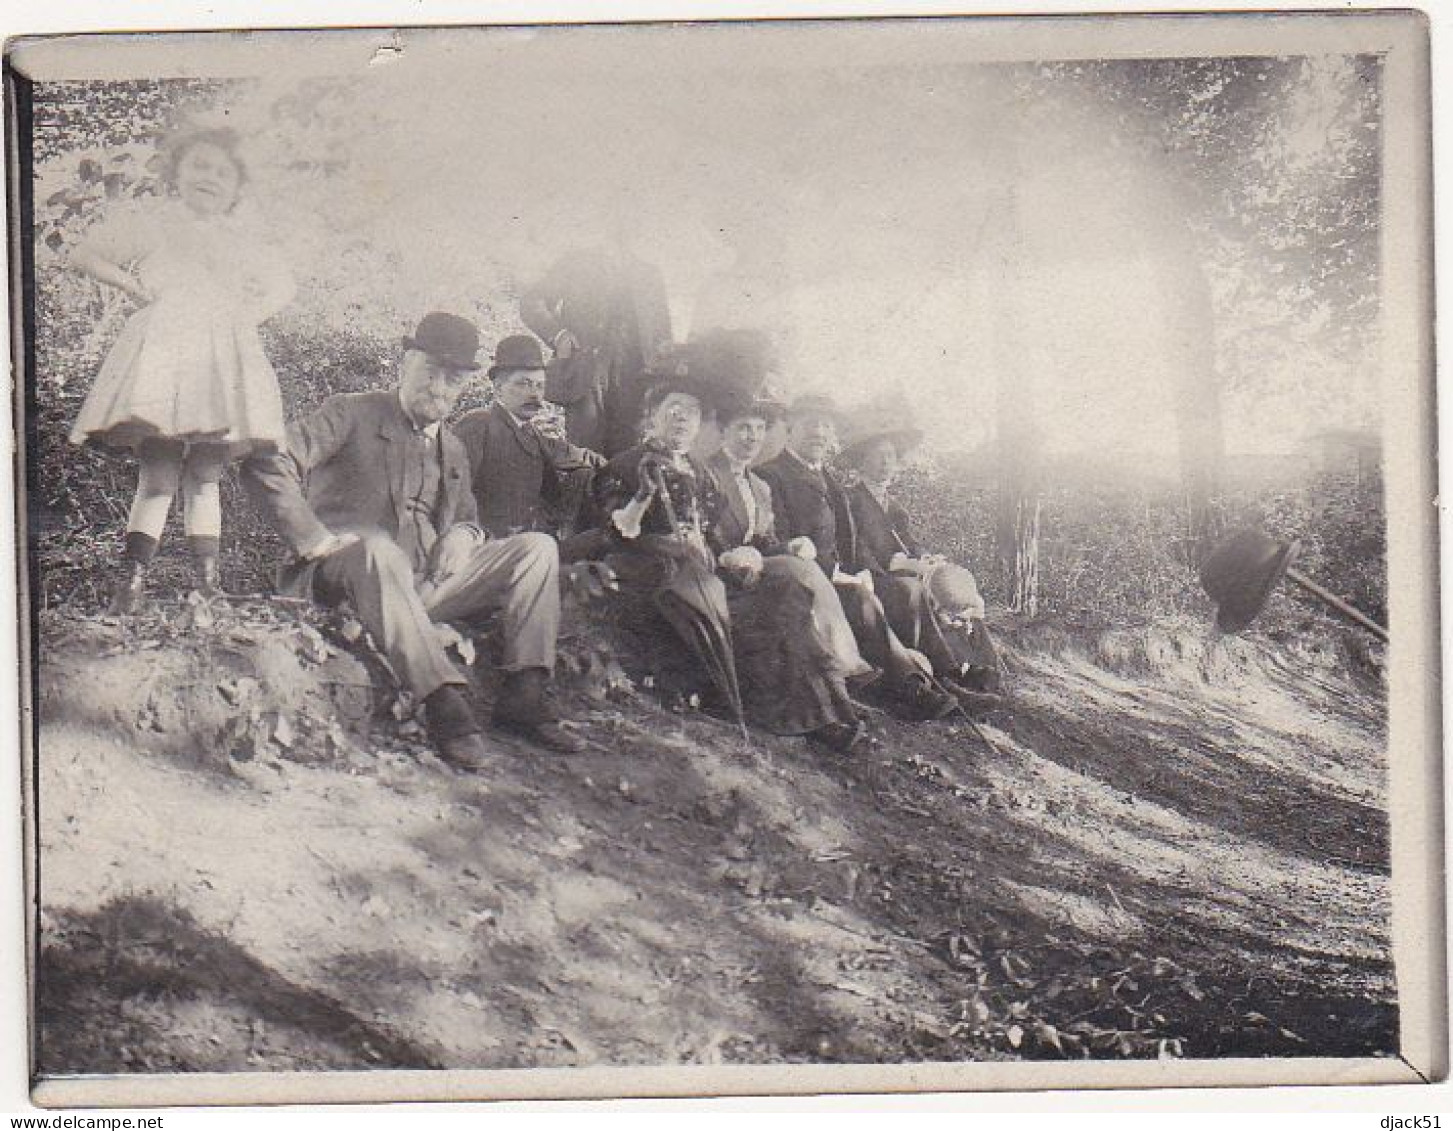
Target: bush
1110,548
1116,550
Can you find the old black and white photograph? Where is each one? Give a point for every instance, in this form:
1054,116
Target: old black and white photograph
811,545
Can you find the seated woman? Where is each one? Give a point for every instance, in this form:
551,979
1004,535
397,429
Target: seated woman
746,528
654,504
931,604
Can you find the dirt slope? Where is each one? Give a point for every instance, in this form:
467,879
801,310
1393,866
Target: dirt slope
1178,846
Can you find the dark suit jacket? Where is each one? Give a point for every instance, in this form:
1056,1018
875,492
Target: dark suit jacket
605,298
731,521
811,504
514,468
881,531
343,471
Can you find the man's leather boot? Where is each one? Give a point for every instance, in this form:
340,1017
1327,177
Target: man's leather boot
839,738
522,710
453,729
918,699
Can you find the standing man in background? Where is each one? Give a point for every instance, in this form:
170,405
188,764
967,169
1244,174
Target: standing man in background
604,313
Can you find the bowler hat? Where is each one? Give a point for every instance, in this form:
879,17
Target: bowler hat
518,351
1241,571
446,338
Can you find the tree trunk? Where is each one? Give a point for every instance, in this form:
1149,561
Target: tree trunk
1017,429
1180,278
1022,542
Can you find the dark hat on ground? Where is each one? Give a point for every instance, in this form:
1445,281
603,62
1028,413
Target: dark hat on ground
518,351
904,439
447,338
736,408
814,404
1240,573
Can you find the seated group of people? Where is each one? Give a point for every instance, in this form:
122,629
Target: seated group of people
415,523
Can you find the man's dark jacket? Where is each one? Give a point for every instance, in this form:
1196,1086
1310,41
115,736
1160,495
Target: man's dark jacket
812,503
614,304
880,531
515,469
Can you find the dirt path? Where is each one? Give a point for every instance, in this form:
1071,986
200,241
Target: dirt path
1189,859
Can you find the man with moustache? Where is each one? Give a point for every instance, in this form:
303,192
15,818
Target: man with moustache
519,472
372,493
810,503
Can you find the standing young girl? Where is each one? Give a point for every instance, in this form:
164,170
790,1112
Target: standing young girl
187,386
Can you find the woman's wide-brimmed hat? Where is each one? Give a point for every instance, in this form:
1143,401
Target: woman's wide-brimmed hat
903,437
663,384
870,424
736,361
762,408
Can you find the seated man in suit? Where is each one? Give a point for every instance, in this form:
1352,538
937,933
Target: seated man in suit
372,486
809,502
932,605
515,467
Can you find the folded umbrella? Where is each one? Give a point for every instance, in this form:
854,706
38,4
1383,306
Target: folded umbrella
693,600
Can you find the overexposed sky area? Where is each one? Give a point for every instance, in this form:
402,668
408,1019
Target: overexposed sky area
899,220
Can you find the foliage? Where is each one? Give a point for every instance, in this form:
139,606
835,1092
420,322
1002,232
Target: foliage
1105,1003
1113,549
102,178
1279,154
1279,162
78,118
1069,999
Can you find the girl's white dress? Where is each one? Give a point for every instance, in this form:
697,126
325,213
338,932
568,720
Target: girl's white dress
189,365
